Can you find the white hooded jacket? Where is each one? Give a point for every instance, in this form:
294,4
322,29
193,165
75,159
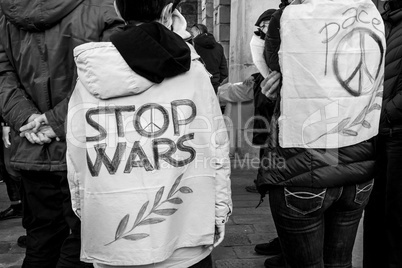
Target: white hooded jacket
149,173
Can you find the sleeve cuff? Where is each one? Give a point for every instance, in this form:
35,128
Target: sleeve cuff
57,127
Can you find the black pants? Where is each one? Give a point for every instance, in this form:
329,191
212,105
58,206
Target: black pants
53,230
382,244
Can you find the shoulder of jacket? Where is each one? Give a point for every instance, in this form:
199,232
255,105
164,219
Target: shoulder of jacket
94,47
393,40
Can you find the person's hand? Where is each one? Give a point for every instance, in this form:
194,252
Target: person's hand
219,234
249,81
45,134
271,85
35,121
38,131
6,136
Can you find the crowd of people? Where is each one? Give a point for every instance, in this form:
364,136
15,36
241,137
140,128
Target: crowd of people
104,107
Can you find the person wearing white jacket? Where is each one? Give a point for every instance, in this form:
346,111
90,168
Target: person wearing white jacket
147,147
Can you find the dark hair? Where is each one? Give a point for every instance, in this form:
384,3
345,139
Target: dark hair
143,10
203,29
284,3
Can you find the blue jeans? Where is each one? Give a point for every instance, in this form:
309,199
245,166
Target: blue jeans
317,226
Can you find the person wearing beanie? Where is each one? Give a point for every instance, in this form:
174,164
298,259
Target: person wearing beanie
149,181
211,52
249,90
382,228
263,108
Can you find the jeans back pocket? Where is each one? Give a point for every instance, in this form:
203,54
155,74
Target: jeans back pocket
304,200
363,191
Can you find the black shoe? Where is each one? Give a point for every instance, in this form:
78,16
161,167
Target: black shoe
275,262
251,189
10,213
22,241
271,248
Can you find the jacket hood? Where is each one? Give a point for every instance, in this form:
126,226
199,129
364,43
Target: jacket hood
37,15
153,51
98,62
205,40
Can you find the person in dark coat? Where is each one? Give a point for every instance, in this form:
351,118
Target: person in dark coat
37,74
382,232
212,53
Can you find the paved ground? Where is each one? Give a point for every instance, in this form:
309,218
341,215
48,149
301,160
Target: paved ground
248,226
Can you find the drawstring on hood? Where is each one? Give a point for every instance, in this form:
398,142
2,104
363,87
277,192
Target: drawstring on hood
153,51
37,15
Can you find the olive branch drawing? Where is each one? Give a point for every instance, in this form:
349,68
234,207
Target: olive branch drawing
344,128
122,233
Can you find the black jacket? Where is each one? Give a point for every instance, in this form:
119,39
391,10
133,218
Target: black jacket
391,116
37,69
213,56
316,168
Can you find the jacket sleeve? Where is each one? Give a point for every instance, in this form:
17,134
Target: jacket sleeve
109,23
223,68
273,42
74,185
223,193
237,92
56,118
15,105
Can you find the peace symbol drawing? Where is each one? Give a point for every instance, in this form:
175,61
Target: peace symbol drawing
152,120
360,79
